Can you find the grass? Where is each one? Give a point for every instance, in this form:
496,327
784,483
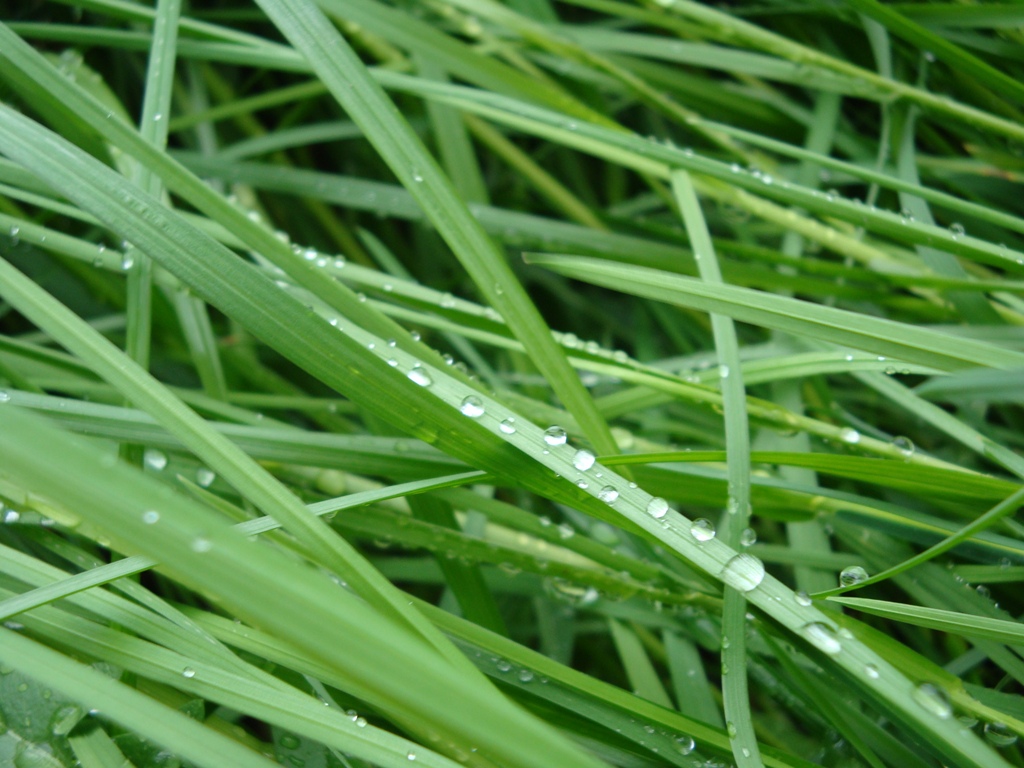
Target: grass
511,384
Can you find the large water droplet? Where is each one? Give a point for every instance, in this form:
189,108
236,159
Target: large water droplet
904,445
802,599
205,477
871,671
188,672
154,459
608,494
657,508
748,538
999,735
743,572
822,637
555,436
508,426
852,575
934,700
150,517
849,435
472,406
419,376
702,529
5,396
583,460
956,230
685,744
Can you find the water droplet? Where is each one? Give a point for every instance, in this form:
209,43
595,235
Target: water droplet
822,637
410,756
508,426
472,406
854,574
392,362
188,672
154,459
150,517
5,396
956,230
934,700
205,477
657,508
723,371
904,445
999,735
743,572
802,599
608,494
419,376
201,544
289,741
583,460
849,435
417,176
447,301
871,671
525,675
685,744
555,436
748,538
702,529
730,728
360,722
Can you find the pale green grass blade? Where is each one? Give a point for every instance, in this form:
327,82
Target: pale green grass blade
735,693
176,731
1001,631
876,335
643,678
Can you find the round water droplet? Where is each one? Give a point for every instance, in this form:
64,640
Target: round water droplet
410,756
508,426
743,572
802,599
419,376
289,741
730,728
871,671
956,230
150,517
188,672
608,494
852,575
748,538
472,406
685,744
201,544
525,675
934,700
5,396
555,436
905,446
583,460
849,435
417,176
1000,735
205,477
702,529
822,637
154,459
723,371
657,508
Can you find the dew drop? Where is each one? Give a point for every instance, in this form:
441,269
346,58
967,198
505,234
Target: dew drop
417,176
5,396
608,494
508,426
956,230
822,637
871,671
201,544
702,529
934,700
904,445
525,675
410,756
150,517
849,435
472,406
999,735
419,376
188,672
743,572
723,371
802,599
555,436
205,477
852,575
154,459
657,508
685,744
583,460
748,538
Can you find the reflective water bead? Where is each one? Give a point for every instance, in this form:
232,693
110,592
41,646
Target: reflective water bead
555,436
802,599
822,637
657,508
934,700
849,435
743,572
508,426
201,544
871,671
702,529
999,735
583,460
205,477
472,406
904,445
685,744
956,230
854,574
748,538
188,672
150,517
419,376
154,459
608,494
